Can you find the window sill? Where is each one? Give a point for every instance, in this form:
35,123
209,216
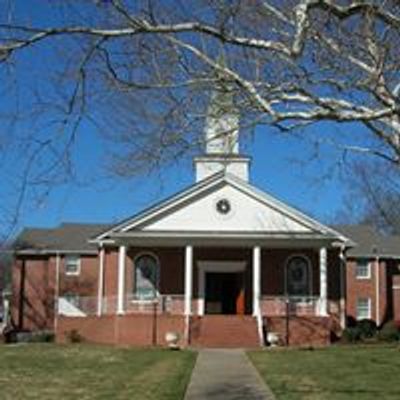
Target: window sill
145,301
361,318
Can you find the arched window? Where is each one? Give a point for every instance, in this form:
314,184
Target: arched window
146,276
298,276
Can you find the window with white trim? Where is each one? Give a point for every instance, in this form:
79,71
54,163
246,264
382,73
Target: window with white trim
363,269
298,279
72,264
146,277
363,308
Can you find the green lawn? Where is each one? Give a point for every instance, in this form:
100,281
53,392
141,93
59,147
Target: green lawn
92,372
334,373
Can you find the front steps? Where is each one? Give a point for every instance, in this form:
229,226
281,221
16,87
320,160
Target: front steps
224,331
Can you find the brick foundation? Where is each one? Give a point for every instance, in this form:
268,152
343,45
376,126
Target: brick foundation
130,330
303,331
144,330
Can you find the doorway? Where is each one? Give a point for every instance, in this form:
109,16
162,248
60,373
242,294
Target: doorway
224,293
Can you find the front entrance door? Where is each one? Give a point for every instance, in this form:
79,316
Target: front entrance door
224,293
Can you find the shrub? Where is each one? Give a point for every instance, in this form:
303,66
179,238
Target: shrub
15,336
42,337
367,328
389,332
73,336
351,335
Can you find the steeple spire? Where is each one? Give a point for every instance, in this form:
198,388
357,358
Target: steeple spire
221,135
222,123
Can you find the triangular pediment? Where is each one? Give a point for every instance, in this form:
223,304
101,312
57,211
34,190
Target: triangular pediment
202,208
226,208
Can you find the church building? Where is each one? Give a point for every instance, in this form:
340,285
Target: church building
219,264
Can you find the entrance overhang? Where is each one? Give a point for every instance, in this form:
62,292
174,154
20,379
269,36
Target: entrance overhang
224,239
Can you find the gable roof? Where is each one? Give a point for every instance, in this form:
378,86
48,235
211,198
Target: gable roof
67,237
148,220
369,242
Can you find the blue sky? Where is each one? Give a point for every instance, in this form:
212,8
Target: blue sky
282,165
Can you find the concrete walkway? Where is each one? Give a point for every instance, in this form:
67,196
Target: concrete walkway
226,375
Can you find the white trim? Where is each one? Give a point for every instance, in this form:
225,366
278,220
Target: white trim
223,234
57,251
121,279
362,277
100,288
213,266
78,266
396,287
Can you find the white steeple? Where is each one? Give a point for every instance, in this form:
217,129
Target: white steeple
222,138
222,124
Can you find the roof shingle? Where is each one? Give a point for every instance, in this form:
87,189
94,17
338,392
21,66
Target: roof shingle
369,242
66,237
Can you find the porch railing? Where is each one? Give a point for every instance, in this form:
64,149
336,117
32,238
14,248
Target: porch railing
81,306
270,306
279,306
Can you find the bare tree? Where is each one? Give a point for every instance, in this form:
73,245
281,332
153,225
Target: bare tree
373,196
142,72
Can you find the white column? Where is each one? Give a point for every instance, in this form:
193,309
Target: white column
188,279
101,283
342,289
377,294
121,279
256,280
57,292
323,282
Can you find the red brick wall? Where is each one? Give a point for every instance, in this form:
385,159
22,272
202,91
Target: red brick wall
35,298
392,276
396,297
110,272
84,284
171,268
136,330
302,331
273,269
367,288
171,275
33,306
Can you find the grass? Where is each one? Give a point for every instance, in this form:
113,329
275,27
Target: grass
92,372
335,373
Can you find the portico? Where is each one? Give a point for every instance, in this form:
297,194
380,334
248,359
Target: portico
223,279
